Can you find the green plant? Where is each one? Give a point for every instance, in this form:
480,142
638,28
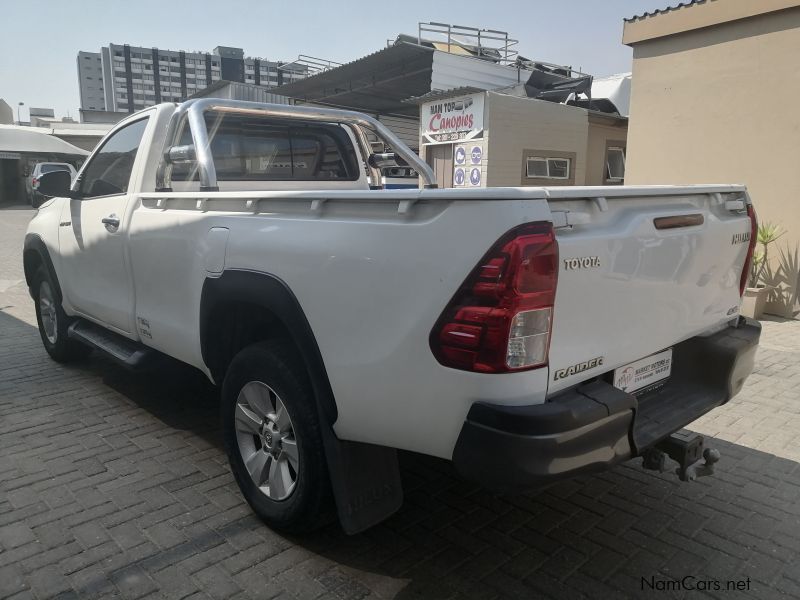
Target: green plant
768,233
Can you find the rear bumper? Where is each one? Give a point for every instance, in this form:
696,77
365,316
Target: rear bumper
595,425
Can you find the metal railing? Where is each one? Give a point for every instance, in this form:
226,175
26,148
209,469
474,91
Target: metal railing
192,112
310,65
490,44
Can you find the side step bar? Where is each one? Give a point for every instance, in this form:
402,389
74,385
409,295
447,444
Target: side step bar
128,353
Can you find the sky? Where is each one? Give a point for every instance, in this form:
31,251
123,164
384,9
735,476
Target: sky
40,39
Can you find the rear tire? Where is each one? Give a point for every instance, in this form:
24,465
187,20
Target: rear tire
53,321
273,440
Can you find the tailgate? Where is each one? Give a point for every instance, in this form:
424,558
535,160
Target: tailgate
640,273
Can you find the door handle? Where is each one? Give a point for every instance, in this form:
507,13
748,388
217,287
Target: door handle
111,222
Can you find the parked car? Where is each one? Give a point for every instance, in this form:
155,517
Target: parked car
525,334
399,178
32,181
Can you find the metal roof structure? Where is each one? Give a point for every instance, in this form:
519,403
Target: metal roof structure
660,11
236,90
394,80
378,82
444,94
18,139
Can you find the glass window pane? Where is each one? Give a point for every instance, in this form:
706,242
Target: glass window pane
109,171
558,168
616,163
317,155
247,148
52,168
537,167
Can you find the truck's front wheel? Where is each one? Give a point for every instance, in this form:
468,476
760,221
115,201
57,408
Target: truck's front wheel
53,321
272,437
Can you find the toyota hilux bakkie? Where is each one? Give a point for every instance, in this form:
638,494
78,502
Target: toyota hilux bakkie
525,334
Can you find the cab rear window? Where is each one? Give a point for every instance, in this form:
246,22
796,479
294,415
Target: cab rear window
51,168
247,148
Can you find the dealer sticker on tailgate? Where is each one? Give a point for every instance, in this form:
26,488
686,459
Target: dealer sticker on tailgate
644,372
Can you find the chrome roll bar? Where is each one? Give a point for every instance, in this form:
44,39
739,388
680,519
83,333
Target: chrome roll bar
192,112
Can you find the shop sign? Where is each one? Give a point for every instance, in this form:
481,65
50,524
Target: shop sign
452,120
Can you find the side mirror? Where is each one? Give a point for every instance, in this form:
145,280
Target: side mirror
383,160
55,183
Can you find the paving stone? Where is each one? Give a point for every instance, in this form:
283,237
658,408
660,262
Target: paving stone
133,582
15,535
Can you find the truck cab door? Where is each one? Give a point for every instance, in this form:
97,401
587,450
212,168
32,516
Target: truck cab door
93,232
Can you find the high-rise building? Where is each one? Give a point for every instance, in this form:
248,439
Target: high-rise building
132,78
90,81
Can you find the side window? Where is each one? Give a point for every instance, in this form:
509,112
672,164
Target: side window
109,171
615,164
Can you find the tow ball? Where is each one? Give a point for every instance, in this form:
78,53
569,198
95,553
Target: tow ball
688,450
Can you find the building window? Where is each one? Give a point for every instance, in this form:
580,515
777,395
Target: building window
540,167
615,164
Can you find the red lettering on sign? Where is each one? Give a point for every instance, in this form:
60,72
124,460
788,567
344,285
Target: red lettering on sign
438,123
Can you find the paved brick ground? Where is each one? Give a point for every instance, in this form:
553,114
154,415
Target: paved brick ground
116,485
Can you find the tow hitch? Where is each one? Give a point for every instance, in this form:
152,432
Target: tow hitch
688,450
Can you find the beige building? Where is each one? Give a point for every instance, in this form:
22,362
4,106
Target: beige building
6,113
714,100
494,139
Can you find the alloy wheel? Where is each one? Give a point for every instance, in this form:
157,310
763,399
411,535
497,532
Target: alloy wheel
266,440
47,311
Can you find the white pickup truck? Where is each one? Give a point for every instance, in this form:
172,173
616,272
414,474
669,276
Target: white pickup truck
525,334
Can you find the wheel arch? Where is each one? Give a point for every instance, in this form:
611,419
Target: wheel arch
268,300
34,255
365,478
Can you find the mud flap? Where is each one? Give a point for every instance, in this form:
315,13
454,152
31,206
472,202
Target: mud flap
365,479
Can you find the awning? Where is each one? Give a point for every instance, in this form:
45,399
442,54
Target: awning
377,83
16,139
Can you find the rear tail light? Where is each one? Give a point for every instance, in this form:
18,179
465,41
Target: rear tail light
501,317
35,181
750,248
